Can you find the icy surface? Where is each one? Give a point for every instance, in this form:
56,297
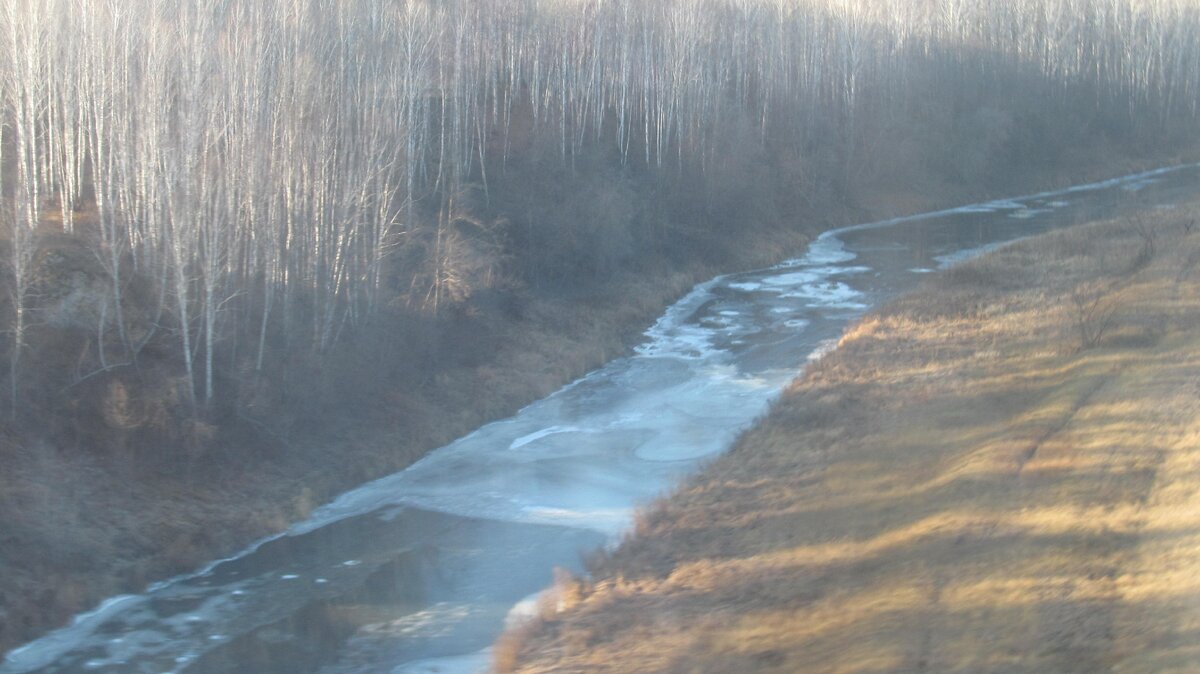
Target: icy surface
427,565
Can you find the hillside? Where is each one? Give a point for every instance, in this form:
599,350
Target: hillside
256,252
994,473
109,484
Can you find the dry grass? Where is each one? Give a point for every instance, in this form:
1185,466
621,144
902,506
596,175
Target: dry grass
970,483
104,511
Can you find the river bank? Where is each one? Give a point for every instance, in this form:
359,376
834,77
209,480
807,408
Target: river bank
996,472
113,530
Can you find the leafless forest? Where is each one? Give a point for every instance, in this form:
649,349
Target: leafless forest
254,252
249,178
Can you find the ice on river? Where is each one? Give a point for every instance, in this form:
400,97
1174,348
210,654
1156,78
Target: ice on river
464,534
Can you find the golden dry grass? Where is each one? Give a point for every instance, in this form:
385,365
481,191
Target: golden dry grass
960,487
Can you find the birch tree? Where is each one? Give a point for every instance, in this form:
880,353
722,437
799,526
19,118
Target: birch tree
259,163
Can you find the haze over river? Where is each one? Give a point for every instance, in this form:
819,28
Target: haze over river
418,571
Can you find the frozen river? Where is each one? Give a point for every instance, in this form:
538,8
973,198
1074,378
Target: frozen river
418,571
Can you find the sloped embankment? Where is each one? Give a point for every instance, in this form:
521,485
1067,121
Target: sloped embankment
1000,472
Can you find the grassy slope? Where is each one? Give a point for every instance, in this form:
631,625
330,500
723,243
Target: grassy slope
76,527
959,487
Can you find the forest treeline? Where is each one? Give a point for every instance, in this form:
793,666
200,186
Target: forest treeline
232,187
254,252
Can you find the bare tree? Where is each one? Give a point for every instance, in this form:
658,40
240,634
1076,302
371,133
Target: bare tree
257,162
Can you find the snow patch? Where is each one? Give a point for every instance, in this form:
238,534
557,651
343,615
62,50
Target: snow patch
1004,205
792,279
673,336
538,435
608,521
745,286
824,348
1027,213
974,208
828,295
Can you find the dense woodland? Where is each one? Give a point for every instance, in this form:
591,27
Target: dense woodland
226,192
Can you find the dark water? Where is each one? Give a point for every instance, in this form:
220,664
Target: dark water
418,571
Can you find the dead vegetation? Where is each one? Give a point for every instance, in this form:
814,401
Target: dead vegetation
1094,311
109,481
971,482
169,489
